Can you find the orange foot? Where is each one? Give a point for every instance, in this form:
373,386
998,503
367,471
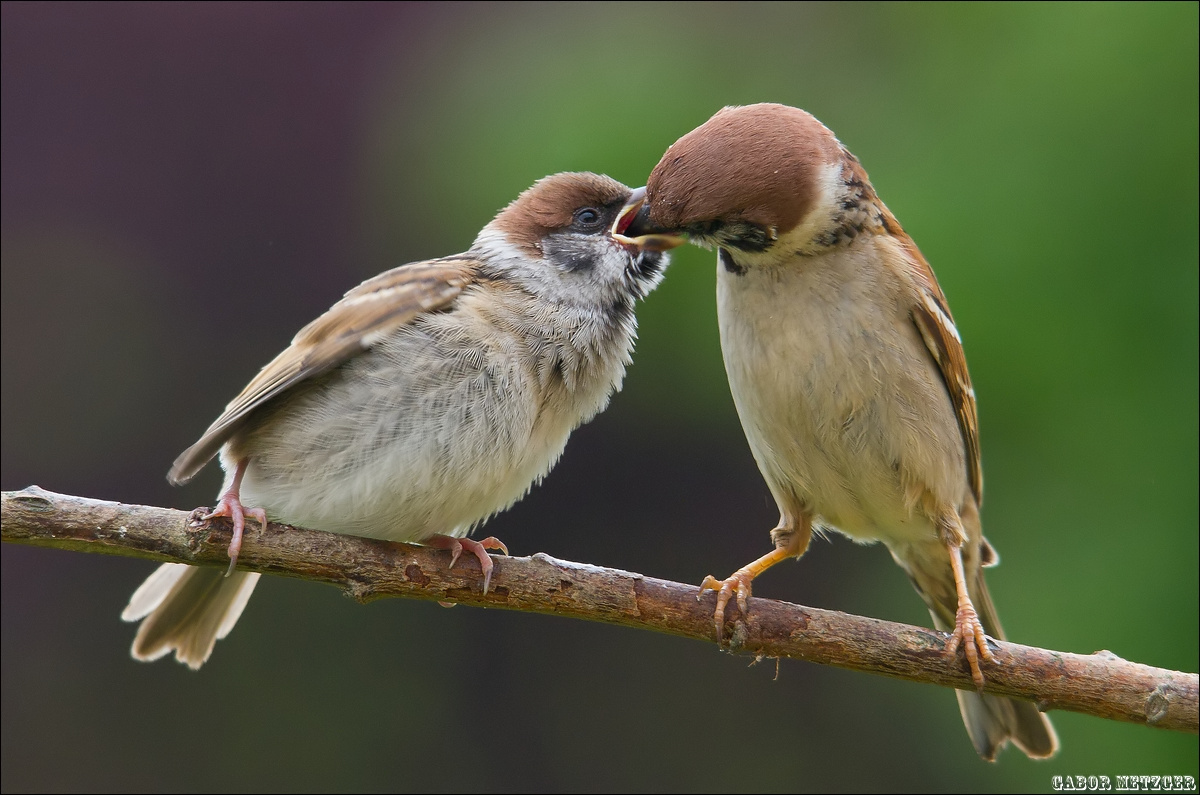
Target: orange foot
231,507
476,548
791,539
968,632
736,583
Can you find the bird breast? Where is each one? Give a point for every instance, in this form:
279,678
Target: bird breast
445,422
842,405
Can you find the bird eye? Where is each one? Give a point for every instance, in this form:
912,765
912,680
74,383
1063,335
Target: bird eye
587,219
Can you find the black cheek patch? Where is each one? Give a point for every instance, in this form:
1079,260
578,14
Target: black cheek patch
746,237
726,260
572,253
737,235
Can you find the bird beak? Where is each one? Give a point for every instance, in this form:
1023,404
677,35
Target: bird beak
633,228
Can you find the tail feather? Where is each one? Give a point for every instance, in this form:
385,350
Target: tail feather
1023,723
186,609
992,721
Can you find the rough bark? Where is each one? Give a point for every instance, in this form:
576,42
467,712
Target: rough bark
1099,684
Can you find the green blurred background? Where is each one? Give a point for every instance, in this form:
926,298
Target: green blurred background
184,186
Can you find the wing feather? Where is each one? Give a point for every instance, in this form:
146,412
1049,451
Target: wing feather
366,314
936,326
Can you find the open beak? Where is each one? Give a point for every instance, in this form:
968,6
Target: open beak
633,228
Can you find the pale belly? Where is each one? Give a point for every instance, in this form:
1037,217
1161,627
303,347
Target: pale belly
844,410
412,445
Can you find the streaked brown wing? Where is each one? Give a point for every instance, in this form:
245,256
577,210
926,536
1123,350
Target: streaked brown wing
365,315
936,325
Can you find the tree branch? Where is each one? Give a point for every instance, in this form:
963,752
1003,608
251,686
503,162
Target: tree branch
1099,684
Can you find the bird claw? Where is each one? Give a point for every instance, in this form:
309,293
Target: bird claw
737,583
476,548
968,632
231,508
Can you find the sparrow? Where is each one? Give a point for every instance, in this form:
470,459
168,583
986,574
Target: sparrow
846,369
427,399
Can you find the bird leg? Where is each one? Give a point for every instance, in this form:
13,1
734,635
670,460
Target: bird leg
790,542
968,631
476,548
231,506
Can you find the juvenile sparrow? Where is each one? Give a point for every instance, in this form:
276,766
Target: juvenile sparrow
427,399
846,369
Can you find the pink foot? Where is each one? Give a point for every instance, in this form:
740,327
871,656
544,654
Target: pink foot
231,507
476,548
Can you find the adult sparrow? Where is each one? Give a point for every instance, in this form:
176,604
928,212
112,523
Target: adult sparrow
846,369
427,399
